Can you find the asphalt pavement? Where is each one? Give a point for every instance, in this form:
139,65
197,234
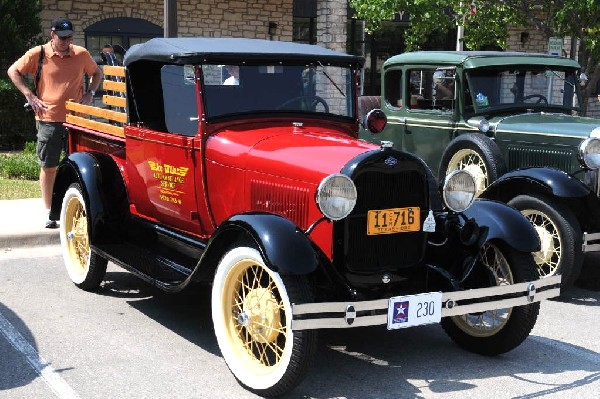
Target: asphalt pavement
22,224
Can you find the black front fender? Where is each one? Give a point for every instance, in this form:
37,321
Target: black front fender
504,223
552,182
283,245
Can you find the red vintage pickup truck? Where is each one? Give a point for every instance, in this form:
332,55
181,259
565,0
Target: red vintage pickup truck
257,186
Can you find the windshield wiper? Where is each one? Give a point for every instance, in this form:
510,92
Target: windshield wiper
563,79
331,80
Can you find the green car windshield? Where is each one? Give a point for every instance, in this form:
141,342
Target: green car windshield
506,88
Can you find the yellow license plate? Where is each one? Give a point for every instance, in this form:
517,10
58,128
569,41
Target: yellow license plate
394,220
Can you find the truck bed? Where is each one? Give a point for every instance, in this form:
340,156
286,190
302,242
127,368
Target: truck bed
100,127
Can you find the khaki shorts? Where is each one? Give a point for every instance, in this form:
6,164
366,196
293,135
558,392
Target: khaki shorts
51,140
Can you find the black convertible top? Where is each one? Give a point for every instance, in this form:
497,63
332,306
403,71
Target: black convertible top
193,50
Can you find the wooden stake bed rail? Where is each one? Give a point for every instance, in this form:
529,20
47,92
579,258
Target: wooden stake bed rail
104,119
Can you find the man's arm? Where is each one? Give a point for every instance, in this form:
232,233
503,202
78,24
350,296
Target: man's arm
95,81
37,105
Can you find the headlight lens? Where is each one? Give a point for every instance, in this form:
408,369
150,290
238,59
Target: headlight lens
459,190
589,153
484,126
336,196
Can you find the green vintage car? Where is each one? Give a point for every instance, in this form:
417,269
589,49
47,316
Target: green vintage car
512,120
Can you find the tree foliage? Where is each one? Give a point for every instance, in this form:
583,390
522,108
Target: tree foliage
485,21
19,27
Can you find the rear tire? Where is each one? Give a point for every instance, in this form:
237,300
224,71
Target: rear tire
497,331
86,268
252,318
560,236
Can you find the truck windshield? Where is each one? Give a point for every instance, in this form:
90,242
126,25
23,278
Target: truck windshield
268,88
538,87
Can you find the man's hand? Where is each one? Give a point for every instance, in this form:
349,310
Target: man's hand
37,105
87,99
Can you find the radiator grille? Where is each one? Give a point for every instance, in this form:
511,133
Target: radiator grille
377,190
521,157
286,200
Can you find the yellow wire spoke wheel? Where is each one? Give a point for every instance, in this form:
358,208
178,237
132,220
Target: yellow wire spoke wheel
251,309
486,324
472,162
85,268
549,255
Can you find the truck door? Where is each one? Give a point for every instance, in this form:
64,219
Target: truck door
393,100
429,118
161,161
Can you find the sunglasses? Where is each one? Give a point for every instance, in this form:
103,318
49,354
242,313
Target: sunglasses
65,38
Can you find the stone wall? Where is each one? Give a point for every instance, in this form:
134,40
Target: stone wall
332,18
536,42
207,18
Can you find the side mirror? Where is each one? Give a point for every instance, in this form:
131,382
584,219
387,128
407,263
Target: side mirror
375,121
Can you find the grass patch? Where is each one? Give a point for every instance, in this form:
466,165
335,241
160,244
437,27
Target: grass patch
19,173
19,189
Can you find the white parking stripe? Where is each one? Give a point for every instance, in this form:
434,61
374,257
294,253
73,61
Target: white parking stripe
51,377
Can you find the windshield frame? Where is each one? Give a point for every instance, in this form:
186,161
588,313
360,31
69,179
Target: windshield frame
293,87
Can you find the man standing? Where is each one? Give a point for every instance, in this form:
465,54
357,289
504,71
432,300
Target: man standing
61,78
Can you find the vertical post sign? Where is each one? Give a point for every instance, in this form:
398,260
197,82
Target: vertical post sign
555,45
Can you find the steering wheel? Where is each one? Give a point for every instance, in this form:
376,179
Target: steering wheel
312,102
541,98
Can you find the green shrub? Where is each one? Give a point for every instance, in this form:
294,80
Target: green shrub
17,126
19,166
30,147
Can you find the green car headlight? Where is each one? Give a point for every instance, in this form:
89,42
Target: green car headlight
336,196
459,190
589,153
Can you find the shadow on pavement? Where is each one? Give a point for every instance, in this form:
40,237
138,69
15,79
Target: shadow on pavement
373,362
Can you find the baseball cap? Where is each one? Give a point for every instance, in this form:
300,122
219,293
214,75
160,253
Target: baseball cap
62,27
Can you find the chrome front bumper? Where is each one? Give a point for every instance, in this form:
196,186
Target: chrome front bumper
591,242
311,316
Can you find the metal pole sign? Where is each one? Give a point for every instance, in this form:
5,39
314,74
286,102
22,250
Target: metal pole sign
555,45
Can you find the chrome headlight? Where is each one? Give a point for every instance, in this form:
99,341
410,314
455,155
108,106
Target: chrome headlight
336,196
589,153
459,190
484,126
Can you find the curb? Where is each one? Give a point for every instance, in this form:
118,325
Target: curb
31,239
22,225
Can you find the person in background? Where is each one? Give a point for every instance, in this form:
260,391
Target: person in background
61,78
444,87
234,78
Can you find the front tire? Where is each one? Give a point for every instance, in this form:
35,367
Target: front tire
497,331
478,155
252,315
86,268
559,233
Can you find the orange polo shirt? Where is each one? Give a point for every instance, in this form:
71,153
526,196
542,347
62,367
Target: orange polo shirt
61,78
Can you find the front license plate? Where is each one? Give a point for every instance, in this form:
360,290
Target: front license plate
414,310
393,220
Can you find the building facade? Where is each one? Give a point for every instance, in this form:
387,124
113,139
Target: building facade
328,23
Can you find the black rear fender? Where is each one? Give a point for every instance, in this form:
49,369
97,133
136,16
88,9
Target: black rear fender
102,186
